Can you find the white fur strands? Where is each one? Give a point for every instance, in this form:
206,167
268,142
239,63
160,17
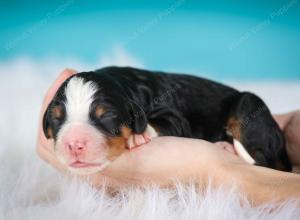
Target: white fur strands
31,189
60,198
79,96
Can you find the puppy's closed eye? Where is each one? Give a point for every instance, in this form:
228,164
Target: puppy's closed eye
101,114
99,111
57,112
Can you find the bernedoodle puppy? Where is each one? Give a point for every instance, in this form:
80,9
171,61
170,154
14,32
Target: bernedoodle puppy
96,115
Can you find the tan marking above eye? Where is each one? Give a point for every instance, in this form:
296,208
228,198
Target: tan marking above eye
49,133
57,112
99,111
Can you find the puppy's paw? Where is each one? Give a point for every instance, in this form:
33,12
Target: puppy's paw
136,140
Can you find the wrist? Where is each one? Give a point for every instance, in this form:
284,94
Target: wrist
283,119
49,156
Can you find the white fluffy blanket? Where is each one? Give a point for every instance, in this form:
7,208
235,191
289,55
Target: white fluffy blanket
30,189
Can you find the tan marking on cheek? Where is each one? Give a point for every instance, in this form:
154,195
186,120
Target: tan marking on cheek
234,126
116,147
126,132
49,133
99,111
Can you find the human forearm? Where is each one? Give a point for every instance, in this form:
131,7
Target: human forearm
199,161
262,184
283,119
290,125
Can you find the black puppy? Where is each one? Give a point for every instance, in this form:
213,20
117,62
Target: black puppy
95,115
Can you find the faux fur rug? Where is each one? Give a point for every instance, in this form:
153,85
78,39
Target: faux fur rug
30,189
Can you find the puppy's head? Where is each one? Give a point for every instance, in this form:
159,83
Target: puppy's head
90,119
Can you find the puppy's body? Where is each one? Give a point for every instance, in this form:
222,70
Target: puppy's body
127,102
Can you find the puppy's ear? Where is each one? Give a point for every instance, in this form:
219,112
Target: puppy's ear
48,131
138,118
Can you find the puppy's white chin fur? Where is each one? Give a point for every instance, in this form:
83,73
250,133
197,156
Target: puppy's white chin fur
88,170
84,170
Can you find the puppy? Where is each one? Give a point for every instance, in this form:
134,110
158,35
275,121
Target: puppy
96,115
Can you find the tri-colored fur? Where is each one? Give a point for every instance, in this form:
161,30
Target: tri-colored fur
120,102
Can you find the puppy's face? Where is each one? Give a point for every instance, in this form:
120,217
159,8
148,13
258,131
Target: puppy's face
90,122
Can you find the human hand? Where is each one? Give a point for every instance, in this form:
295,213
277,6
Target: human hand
45,147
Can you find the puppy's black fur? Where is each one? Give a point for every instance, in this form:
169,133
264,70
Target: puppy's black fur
184,106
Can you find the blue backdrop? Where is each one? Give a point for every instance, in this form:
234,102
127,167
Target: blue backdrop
223,39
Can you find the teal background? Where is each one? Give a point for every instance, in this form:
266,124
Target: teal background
243,40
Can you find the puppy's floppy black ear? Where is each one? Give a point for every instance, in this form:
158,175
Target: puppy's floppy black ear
138,118
46,124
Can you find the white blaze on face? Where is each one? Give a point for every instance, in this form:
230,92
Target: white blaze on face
77,129
79,97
